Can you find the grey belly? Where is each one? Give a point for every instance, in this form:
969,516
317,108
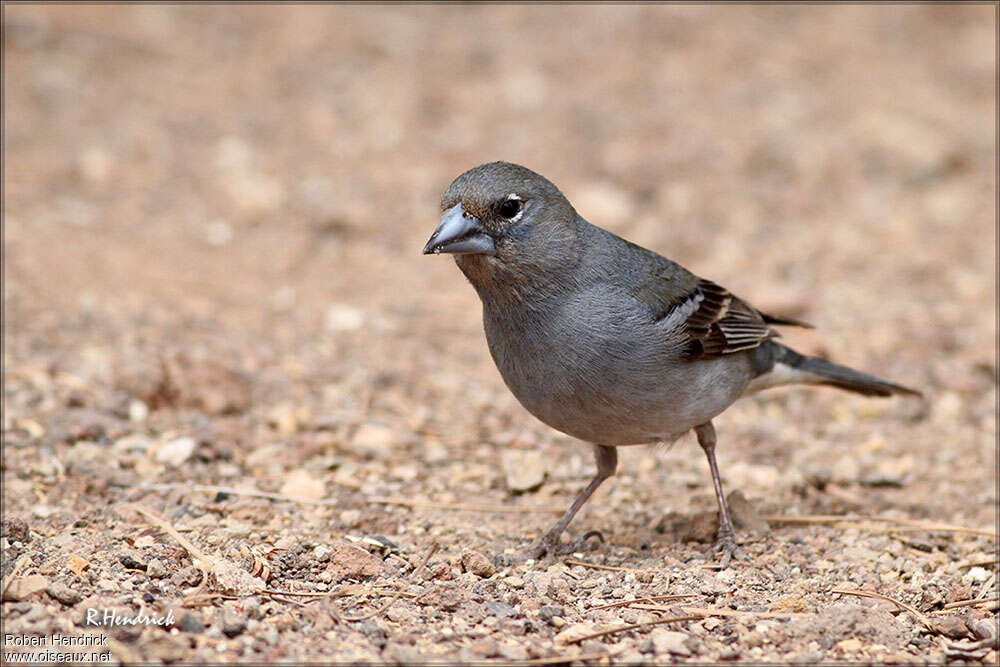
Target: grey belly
623,396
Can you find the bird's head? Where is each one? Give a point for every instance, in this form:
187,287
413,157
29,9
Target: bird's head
505,223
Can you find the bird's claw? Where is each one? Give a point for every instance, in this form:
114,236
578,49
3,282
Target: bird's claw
550,546
725,547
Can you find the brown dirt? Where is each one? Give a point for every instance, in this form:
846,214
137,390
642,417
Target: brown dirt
212,278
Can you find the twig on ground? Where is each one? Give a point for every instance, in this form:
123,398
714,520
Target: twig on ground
919,546
912,524
878,596
316,595
21,563
208,564
944,528
384,500
202,560
168,528
396,593
650,599
200,599
708,611
635,626
281,598
970,603
595,566
460,507
239,492
383,592
988,586
306,594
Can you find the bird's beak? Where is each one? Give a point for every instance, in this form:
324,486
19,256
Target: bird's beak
460,234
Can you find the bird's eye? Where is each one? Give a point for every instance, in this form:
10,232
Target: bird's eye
510,207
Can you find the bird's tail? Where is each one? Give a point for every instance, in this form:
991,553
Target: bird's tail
780,365
841,377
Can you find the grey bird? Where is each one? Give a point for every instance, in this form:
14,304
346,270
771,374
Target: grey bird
606,341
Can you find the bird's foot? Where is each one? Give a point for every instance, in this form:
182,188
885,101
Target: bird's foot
725,547
549,546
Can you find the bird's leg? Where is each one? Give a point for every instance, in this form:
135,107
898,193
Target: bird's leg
725,543
549,544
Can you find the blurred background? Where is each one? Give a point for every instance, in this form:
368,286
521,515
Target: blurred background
268,157
213,218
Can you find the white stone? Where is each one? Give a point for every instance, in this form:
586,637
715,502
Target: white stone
177,451
342,317
669,641
523,469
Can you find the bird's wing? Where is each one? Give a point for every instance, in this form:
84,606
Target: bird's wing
713,321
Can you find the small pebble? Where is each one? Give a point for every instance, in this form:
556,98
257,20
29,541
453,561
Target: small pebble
131,562
137,411
63,593
978,574
848,646
513,652
156,569
16,530
477,564
350,562
950,626
188,576
631,658
485,648
190,623
573,633
523,469
251,607
550,612
729,653
669,641
983,628
343,317
233,624
500,609
175,452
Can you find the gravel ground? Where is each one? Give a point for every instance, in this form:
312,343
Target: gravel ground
236,396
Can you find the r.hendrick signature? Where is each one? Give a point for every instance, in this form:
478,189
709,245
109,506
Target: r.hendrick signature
113,617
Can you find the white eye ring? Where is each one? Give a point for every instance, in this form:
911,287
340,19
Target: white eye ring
513,197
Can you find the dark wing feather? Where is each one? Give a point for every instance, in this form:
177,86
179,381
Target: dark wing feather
732,324
714,321
786,321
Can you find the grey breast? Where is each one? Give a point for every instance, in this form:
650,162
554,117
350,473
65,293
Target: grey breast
597,367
